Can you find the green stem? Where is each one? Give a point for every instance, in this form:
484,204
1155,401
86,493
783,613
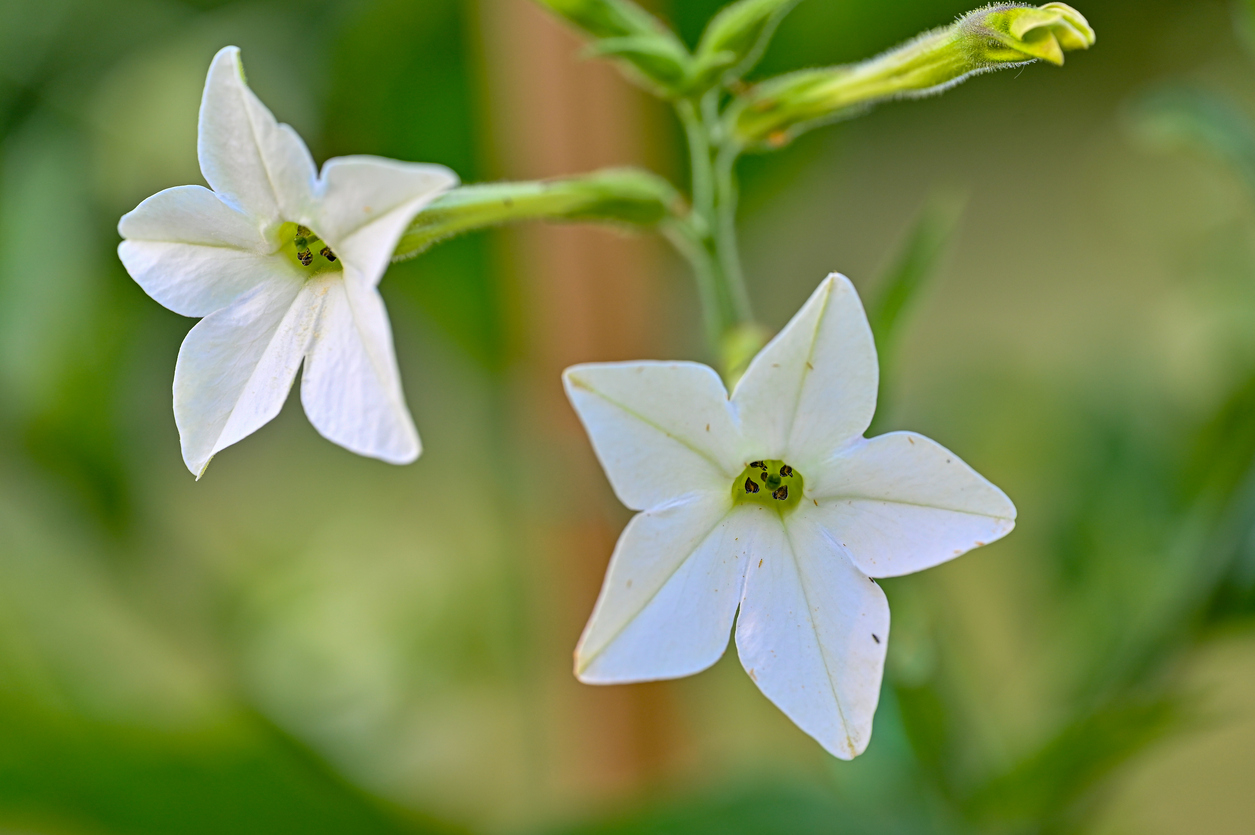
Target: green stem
708,240
727,194
691,244
701,173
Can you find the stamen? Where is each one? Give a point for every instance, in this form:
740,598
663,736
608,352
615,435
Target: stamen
306,257
769,482
303,231
326,252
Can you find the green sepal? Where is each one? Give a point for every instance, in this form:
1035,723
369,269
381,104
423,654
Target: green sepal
735,40
624,196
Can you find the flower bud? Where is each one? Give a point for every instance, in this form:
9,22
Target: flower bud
987,39
649,52
605,18
1011,34
735,39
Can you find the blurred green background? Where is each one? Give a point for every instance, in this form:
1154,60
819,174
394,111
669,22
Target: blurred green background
307,641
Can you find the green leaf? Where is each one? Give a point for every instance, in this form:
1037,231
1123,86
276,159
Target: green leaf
1050,788
67,773
606,18
1175,117
735,39
1219,476
1244,24
927,722
624,196
915,265
648,51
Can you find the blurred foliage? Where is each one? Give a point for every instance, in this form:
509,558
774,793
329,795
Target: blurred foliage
311,642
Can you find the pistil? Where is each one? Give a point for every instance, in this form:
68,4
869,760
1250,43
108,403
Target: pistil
302,245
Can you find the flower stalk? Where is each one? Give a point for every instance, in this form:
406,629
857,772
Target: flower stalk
625,196
708,240
723,118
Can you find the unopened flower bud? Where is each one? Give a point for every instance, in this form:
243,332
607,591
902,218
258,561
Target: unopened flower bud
988,39
1012,33
650,53
605,18
734,40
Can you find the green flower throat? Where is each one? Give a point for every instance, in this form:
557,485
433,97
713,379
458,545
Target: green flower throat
771,482
307,250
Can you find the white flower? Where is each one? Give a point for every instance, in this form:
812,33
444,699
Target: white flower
771,501
283,263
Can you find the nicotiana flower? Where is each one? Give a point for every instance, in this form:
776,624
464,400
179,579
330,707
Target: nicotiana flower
283,264
773,502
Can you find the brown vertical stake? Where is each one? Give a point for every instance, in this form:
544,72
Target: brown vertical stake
580,294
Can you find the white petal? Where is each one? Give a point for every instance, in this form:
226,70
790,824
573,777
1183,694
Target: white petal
247,157
661,430
813,388
670,594
191,252
900,503
351,388
236,366
367,202
191,215
812,632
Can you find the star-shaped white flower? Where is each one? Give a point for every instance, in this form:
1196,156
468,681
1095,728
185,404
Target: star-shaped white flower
772,501
283,264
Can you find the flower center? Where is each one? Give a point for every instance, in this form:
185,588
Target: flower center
770,482
306,249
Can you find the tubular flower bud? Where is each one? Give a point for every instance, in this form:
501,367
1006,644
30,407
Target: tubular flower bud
1013,33
992,38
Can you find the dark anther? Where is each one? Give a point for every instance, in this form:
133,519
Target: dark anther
781,493
306,257
303,231
786,470
750,486
326,252
759,464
